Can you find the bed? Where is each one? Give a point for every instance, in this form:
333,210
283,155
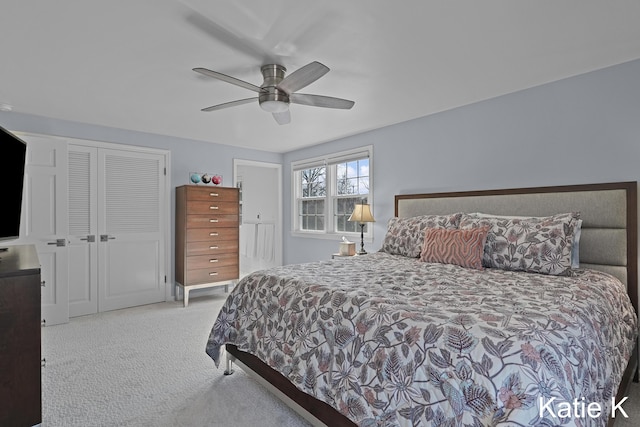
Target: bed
398,337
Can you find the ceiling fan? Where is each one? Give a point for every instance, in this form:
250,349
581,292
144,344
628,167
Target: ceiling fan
277,91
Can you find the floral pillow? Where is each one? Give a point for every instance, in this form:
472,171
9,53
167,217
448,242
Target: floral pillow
405,236
460,247
533,244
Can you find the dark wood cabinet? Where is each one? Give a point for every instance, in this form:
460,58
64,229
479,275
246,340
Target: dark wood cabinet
20,366
207,237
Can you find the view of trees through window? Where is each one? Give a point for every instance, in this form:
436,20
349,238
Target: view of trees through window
349,185
314,191
352,187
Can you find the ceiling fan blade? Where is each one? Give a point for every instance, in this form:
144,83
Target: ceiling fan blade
230,104
228,79
283,118
201,15
302,77
321,101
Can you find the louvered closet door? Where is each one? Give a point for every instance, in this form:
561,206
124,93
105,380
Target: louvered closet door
83,227
131,215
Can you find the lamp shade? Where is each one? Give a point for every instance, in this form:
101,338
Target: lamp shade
361,213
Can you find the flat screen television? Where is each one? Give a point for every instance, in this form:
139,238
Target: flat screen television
13,153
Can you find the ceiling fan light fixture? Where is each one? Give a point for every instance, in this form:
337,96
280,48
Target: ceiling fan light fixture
274,106
273,100
277,91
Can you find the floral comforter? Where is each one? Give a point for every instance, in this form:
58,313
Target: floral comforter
389,340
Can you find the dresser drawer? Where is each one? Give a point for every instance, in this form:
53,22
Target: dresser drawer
212,194
213,274
212,247
212,261
213,207
200,221
212,234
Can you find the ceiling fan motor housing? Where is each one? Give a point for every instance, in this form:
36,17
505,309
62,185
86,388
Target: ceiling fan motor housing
271,98
277,91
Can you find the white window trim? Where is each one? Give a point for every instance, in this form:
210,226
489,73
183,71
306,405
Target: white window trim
330,160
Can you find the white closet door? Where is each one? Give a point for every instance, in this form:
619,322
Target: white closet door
83,230
131,214
44,220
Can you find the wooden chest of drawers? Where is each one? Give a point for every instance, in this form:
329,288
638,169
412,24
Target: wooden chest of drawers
207,237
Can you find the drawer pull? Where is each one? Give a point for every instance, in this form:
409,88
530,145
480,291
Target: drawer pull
213,207
213,260
214,194
215,273
214,220
213,234
213,247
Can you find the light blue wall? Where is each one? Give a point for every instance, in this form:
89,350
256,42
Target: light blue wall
583,129
580,130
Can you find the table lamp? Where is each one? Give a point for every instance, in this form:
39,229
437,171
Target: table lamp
362,214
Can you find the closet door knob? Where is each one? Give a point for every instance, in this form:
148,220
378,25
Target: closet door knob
58,242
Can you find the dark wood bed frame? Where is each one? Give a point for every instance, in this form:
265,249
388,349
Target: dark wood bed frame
331,417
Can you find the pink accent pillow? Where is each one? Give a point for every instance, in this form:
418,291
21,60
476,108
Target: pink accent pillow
460,247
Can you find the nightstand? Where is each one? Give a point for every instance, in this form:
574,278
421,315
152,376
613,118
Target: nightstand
337,255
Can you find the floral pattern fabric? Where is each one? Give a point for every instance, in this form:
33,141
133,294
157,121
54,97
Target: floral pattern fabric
405,236
536,244
392,341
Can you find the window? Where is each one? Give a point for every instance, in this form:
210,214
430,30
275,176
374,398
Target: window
314,190
326,190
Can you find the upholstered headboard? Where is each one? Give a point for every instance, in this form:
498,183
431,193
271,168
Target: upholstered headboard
608,211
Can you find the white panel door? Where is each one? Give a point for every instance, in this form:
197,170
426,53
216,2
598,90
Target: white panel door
44,221
260,186
83,230
131,218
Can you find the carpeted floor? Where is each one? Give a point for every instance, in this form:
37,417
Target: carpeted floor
146,366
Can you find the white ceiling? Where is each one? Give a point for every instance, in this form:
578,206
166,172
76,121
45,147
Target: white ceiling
128,64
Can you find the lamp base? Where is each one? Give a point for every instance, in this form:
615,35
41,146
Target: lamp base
362,251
